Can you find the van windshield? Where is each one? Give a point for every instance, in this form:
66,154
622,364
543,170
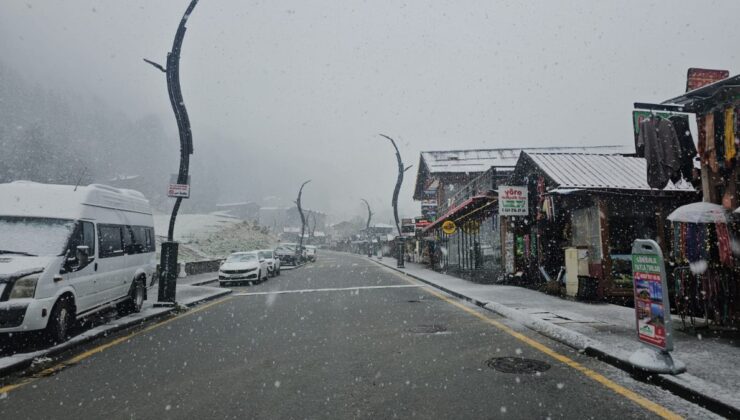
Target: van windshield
34,235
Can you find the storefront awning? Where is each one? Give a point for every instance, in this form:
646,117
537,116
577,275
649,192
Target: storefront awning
463,208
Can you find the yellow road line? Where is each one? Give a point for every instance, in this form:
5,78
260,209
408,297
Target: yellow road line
608,383
82,356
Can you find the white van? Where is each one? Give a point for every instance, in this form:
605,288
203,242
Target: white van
67,252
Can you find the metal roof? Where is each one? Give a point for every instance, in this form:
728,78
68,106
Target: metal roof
598,171
480,160
692,99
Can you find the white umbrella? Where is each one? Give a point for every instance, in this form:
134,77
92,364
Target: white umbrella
701,212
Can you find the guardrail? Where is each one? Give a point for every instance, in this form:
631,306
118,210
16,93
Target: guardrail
197,267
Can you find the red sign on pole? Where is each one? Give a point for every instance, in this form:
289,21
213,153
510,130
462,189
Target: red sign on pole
697,78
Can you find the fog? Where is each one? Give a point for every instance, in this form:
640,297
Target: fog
279,92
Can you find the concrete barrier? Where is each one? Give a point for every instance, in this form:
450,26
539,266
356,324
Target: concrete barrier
196,267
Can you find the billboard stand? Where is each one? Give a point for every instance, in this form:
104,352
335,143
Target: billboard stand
652,310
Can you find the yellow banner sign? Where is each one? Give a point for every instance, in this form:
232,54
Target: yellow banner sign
449,227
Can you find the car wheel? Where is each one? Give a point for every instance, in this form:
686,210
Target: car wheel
135,300
60,321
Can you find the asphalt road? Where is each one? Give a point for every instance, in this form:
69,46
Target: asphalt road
389,348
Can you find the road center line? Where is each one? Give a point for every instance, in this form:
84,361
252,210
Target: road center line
330,289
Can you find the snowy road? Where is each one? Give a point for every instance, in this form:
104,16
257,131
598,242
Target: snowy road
340,338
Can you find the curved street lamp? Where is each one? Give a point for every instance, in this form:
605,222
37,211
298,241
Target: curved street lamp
168,262
367,229
394,202
299,251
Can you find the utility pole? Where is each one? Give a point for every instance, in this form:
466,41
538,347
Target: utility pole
367,229
299,251
168,262
400,251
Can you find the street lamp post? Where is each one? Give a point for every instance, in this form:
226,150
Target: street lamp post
367,229
400,251
168,262
299,251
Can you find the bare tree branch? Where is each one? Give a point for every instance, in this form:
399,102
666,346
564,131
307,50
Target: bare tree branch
156,65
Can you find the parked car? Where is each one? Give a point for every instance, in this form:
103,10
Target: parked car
273,261
287,253
243,267
68,251
311,253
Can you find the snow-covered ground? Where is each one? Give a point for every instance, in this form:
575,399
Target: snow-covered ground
212,235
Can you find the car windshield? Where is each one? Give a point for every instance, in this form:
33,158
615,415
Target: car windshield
265,254
236,258
34,235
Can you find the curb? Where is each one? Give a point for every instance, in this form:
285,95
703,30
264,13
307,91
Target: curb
593,348
61,348
202,282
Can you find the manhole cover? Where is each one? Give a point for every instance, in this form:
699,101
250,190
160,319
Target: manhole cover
428,329
517,365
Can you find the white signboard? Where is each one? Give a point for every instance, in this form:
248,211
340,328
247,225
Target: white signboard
179,190
512,201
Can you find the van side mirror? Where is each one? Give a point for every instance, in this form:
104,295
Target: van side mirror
82,255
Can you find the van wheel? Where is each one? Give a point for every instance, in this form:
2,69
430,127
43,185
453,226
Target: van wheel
135,300
60,321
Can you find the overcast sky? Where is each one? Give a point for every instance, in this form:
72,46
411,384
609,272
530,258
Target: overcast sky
307,86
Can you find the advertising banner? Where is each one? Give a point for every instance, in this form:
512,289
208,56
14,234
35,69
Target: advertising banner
513,201
652,310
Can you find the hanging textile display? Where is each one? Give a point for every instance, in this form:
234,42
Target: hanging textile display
662,151
730,151
686,141
710,152
703,276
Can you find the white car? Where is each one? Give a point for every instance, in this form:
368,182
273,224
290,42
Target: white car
273,261
243,267
67,252
310,253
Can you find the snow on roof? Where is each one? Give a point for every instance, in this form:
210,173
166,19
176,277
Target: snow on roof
601,171
26,198
480,160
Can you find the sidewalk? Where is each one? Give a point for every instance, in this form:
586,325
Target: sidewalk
604,330
188,295
198,279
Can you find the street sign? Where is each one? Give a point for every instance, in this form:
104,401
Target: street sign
513,201
178,190
449,227
652,310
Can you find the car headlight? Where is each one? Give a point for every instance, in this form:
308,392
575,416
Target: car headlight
25,287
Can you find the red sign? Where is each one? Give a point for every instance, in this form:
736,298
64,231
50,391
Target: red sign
697,78
422,224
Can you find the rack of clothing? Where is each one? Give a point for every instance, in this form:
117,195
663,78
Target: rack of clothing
704,281
668,146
